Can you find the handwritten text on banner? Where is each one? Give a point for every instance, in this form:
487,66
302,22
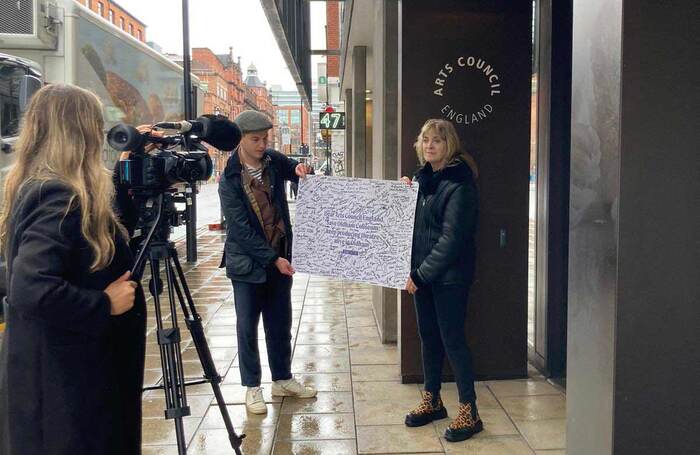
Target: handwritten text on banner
355,229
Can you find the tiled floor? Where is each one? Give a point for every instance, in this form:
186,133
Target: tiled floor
361,403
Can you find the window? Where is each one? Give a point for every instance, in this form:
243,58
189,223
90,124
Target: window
111,16
101,9
121,23
131,29
89,4
10,78
138,33
282,117
221,92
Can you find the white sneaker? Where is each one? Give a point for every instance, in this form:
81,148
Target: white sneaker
254,401
292,388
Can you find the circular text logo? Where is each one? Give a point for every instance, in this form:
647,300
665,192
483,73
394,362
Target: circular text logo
482,85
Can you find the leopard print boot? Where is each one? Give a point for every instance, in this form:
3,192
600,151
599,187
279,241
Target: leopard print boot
466,424
429,409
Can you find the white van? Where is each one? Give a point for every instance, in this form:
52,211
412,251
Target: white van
19,79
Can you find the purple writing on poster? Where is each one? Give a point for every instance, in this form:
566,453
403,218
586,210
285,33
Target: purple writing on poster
355,229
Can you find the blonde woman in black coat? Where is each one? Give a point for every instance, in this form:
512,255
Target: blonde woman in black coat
71,366
442,267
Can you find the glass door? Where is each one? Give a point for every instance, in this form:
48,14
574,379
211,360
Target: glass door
539,175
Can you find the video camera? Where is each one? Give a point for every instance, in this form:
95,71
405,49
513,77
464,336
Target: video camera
145,181
160,169
145,178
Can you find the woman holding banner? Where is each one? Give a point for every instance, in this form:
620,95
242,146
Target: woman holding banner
442,267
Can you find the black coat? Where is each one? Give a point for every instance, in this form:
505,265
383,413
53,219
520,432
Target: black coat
247,253
443,236
70,374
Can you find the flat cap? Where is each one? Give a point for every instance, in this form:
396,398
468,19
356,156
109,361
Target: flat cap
250,121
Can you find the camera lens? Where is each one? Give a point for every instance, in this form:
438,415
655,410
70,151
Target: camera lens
120,138
125,137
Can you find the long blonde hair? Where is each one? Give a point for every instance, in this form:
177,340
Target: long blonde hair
446,130
61,139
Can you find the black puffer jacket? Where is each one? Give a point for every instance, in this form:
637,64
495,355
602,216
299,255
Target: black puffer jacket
443,237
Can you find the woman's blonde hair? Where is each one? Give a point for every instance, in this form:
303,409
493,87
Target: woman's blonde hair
446,130
61,139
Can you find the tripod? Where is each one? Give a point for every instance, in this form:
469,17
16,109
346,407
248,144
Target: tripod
158,212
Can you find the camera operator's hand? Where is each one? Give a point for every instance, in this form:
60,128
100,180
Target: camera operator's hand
155,133
302,170
284,266
121,294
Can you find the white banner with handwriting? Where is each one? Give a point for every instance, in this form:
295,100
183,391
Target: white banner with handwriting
355,229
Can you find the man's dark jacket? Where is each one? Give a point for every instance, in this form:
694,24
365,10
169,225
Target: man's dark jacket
247,253
70,373
443,237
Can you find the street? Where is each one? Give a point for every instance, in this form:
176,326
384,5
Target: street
208,210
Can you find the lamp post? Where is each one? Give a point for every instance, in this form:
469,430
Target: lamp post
329,160
301,120
190,189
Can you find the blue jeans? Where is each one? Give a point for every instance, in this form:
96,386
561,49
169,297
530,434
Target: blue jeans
273,300
441,311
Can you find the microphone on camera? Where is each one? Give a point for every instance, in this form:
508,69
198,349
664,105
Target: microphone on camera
216,130
182,126
220,132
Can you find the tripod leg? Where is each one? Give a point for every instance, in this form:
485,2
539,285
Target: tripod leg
194,324
170,357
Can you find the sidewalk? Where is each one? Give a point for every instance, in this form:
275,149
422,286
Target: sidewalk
361,403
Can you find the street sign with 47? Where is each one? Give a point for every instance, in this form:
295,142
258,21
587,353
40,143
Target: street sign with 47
332,120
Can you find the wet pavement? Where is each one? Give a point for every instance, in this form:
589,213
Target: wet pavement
361,402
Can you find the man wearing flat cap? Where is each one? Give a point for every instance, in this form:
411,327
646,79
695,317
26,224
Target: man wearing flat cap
257,256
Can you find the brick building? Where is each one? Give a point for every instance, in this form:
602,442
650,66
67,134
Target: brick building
218,76
335,141
222,79
234,77
257,96
226,92
333,37
118,16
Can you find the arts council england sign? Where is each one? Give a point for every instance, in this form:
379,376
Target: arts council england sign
470,114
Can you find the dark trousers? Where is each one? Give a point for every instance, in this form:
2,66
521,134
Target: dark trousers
273,300
441,312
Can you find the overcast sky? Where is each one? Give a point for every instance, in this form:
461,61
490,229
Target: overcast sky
218,24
